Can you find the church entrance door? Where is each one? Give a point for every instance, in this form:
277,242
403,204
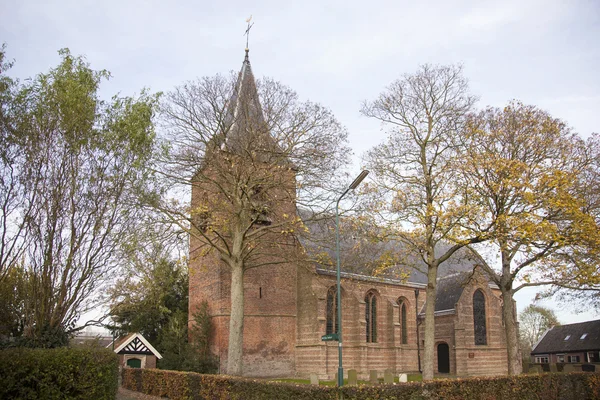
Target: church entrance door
443,358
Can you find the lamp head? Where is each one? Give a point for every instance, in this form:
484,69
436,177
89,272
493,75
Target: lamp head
358,180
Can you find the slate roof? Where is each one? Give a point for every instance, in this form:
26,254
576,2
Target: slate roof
322,234
245,128
367,278
553,340
449,290
453,274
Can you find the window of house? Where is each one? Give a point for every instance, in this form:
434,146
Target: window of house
567,337
371,317
479,320
541,359
573,359
560,358
331,312
583,336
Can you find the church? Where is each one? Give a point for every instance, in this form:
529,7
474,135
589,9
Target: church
289,306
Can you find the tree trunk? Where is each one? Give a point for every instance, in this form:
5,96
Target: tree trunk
512,335
509,316
236,321
429,347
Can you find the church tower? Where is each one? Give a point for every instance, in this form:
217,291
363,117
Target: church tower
244,200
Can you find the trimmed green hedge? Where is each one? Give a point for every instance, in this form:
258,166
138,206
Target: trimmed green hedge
63,373
556,386
192,386
189,385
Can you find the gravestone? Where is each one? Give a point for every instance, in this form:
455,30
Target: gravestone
373,376
314,379
403,378
388,377
352,377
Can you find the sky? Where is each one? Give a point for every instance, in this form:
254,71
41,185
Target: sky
337,53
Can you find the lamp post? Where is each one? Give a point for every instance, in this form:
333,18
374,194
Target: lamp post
352,186
417,320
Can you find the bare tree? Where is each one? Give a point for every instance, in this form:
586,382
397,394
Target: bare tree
247,153
533,322
415,174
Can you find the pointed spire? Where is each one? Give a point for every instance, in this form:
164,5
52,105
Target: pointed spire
246,127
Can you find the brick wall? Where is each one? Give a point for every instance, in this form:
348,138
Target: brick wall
270,290
471,359
315,356
455,329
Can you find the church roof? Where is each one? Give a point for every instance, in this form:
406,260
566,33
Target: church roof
246,130
583,336
368,278
449,290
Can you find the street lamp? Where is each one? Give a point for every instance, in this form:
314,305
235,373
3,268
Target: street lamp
417,320
352,186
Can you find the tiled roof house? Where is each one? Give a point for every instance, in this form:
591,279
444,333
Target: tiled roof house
573,343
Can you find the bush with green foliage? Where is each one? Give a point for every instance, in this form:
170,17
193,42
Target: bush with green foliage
184,386
63,373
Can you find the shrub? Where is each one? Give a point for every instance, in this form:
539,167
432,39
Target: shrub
189,385
184,386
555,386
63,373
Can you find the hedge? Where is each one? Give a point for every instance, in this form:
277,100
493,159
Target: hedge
189,385
63,373
555,386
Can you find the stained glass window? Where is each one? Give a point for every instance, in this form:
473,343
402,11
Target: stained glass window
371,317
404,335
331,311
479,321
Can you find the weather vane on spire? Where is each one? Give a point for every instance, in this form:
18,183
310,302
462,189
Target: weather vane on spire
247,33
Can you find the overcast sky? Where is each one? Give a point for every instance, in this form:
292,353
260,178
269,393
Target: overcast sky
338,53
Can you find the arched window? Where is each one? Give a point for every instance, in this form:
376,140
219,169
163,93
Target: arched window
403,317
331,311
371,317
479,318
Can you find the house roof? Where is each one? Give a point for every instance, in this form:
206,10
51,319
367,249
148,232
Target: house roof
583,336
134,343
